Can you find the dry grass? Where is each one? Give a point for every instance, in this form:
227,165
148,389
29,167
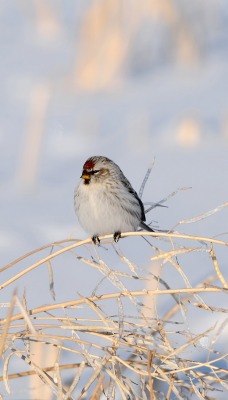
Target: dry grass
119,346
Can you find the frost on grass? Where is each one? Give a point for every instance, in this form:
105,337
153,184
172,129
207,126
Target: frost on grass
155,333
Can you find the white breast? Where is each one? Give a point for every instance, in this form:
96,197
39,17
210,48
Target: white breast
100,212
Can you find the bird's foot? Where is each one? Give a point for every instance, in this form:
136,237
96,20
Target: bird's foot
116,236
96,240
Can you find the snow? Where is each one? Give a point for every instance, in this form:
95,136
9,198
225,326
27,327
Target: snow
176,113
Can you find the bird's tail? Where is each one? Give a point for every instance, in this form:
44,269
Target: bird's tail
146,227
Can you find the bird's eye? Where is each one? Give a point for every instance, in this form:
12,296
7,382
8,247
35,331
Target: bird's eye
95,171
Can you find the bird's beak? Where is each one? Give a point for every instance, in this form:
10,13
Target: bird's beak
85,176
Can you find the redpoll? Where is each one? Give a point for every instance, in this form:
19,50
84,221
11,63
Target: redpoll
105,202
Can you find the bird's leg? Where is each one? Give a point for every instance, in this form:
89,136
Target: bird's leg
96,240
117,236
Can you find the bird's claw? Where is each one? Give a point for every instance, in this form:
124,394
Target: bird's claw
116,236
96,240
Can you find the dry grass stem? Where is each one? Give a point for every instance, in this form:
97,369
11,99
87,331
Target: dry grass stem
118,346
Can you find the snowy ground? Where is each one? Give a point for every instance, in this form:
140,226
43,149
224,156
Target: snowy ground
175,114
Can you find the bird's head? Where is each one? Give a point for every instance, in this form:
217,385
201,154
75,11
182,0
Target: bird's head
97,169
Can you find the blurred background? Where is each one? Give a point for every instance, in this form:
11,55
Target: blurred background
132,80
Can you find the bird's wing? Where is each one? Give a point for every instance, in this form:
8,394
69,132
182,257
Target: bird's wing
127,184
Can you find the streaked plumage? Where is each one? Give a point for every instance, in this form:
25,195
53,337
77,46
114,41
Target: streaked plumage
105,201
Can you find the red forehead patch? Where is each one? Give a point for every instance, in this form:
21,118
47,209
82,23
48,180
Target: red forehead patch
89,164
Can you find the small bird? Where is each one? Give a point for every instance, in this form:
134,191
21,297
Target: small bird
105,202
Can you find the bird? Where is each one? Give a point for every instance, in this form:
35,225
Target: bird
105,201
